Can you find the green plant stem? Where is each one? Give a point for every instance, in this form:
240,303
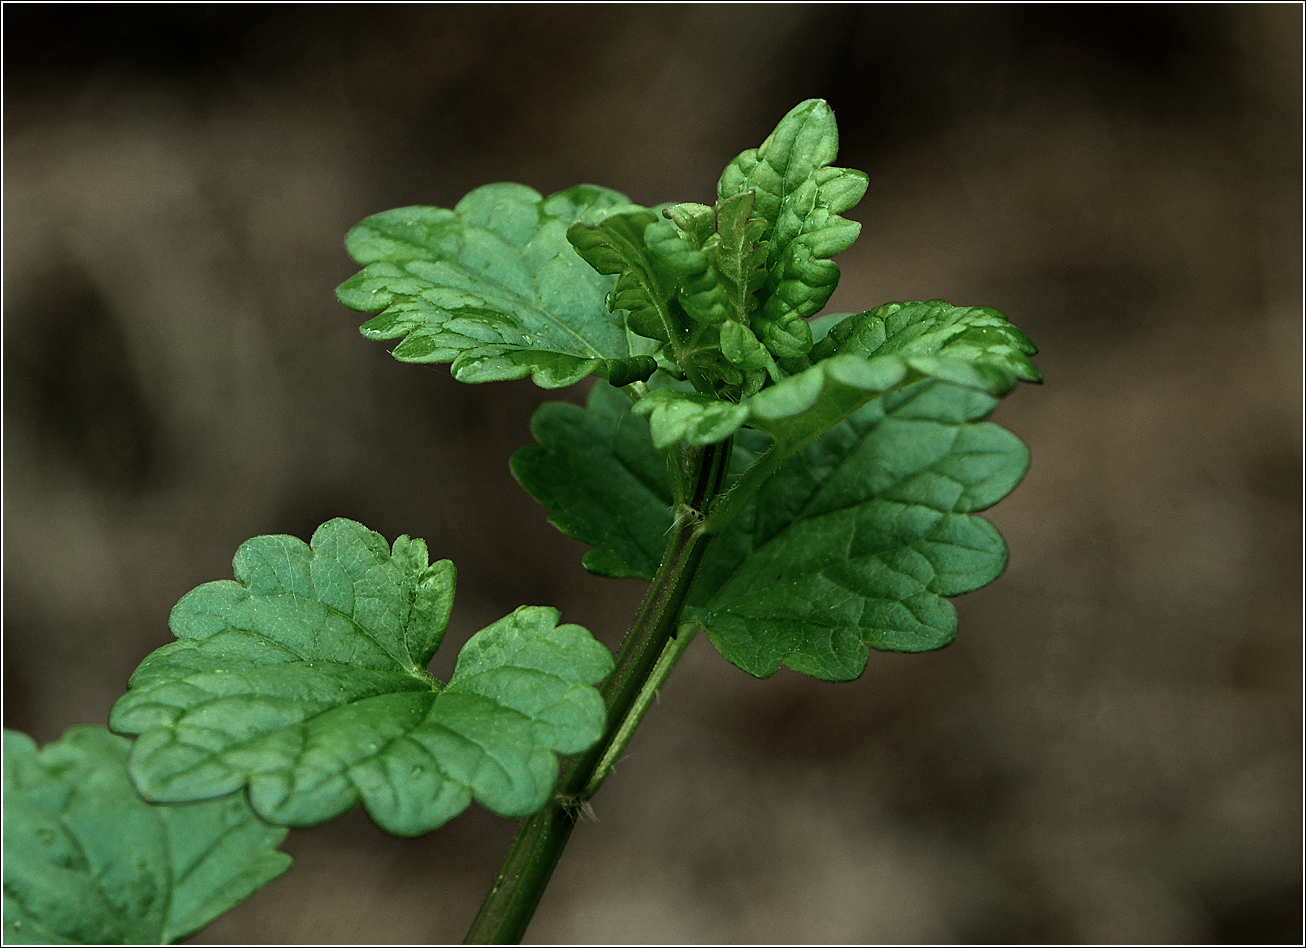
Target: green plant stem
731,504
675,647
640,669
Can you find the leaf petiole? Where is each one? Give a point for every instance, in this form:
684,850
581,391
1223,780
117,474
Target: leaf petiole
731,504
675,647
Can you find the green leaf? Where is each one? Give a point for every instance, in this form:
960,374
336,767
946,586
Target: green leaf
977,335
597,471
87,861
857,538
716,255
861,357
853,542
698,419
307,679
742,348
794,411
614,245
494,287
699,288
740,251
696,220
667,286
799,197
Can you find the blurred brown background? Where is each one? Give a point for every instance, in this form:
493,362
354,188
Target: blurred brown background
1111,750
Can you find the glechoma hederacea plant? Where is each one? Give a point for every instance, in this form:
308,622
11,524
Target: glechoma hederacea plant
799,489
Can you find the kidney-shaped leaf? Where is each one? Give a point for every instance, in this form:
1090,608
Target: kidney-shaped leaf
597,471
853,542
87,861
307,679
858,538
494,287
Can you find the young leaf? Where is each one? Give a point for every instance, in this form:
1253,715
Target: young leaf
978,335
860,358
674,414
87,861
668,287
614,245
799,197
494,287
306,679
740,252
742,348
700,291
795,411
857,538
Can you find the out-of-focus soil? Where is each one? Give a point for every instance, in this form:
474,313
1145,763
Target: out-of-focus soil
1109,752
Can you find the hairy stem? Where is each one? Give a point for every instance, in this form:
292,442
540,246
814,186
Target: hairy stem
675,647
731,504
511,902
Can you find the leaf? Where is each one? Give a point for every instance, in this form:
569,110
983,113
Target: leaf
794,411
853,542
742,348
977,335
860,357
614,245
668,287
698,286
699,419
494,287
856,539
597,471
740,251
698,221
306,679
714,256
87,861
799,197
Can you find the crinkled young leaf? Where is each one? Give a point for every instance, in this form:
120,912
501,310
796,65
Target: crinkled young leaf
742,348
699,419
739,252
858,538
494,287
597,471
87,861
307,679
969,346
716,257
667,286
700,291
799,197
794,412
977,335
614,245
